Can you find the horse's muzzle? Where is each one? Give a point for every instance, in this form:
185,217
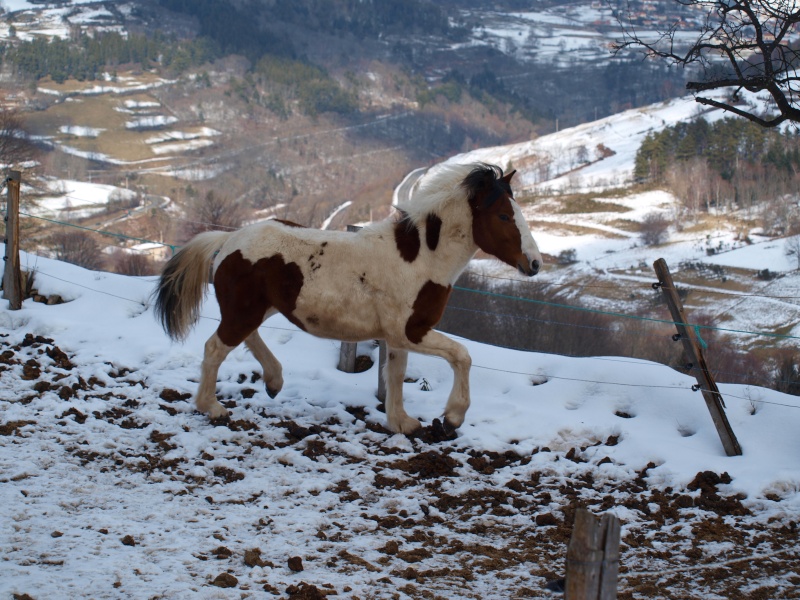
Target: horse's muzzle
529,268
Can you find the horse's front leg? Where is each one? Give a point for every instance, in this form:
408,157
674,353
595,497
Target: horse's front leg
454,353
393,375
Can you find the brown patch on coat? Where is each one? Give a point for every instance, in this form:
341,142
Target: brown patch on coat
406,237
433,229
427,310
246,291
493,227
289,223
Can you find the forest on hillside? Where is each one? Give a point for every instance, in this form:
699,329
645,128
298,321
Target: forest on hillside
729,164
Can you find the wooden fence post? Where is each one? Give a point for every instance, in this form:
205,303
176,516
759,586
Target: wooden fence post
593,557
347,357
12,275
381,363
705,381
348,350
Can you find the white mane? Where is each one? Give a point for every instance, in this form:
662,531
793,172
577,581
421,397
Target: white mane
435,189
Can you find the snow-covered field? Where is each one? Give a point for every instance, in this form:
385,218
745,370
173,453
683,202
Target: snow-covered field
113,486
78,198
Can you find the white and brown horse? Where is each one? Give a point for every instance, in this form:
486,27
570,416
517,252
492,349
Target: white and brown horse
389,281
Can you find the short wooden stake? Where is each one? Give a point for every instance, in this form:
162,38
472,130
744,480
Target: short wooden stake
12,275
593,557
705,381
347,357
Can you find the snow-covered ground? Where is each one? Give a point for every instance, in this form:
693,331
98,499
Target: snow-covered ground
113,486
78,198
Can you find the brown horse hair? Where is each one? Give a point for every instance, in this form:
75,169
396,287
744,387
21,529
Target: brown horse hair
183,284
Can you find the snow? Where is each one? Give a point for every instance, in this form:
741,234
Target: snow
72,490
80,131
152,122
77,196
180,147
622,134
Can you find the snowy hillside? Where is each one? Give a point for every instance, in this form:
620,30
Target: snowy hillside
113,486
599,157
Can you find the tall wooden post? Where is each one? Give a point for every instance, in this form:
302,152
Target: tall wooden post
347,350
12,276
593,557
381,395
705,381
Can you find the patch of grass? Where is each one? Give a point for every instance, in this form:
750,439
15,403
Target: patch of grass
589,204
98,112
625,225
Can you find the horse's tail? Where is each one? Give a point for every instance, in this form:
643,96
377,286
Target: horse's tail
183,283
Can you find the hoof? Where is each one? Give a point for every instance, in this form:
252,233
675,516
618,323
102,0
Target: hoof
443,430
452,420
217,411
447,428
223,420
407,425
274,387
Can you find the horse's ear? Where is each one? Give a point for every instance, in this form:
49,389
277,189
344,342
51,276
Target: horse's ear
508,177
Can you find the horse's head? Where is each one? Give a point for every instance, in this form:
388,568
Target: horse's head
498,226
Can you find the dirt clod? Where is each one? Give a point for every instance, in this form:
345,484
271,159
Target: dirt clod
306,591
225,580
252,558
296,564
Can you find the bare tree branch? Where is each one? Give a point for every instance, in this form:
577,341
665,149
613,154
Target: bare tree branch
15,145
740,45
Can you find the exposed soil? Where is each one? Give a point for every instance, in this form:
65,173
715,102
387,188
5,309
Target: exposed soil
426,519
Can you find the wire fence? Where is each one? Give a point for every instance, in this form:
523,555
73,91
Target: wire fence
523,315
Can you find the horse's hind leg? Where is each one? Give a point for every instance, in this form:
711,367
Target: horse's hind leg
206,399
393,374
273,373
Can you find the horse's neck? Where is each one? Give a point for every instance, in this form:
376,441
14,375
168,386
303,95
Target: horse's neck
456,246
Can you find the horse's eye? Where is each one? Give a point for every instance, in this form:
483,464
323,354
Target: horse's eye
504,217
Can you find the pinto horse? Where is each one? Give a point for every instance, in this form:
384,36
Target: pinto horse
389,281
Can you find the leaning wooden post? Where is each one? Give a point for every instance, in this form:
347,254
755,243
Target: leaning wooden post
12,275
592,557
705,381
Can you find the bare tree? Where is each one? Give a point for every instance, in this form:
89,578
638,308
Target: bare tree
133,263
78,248
742,46
792,248
16,147
654,228
213,211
